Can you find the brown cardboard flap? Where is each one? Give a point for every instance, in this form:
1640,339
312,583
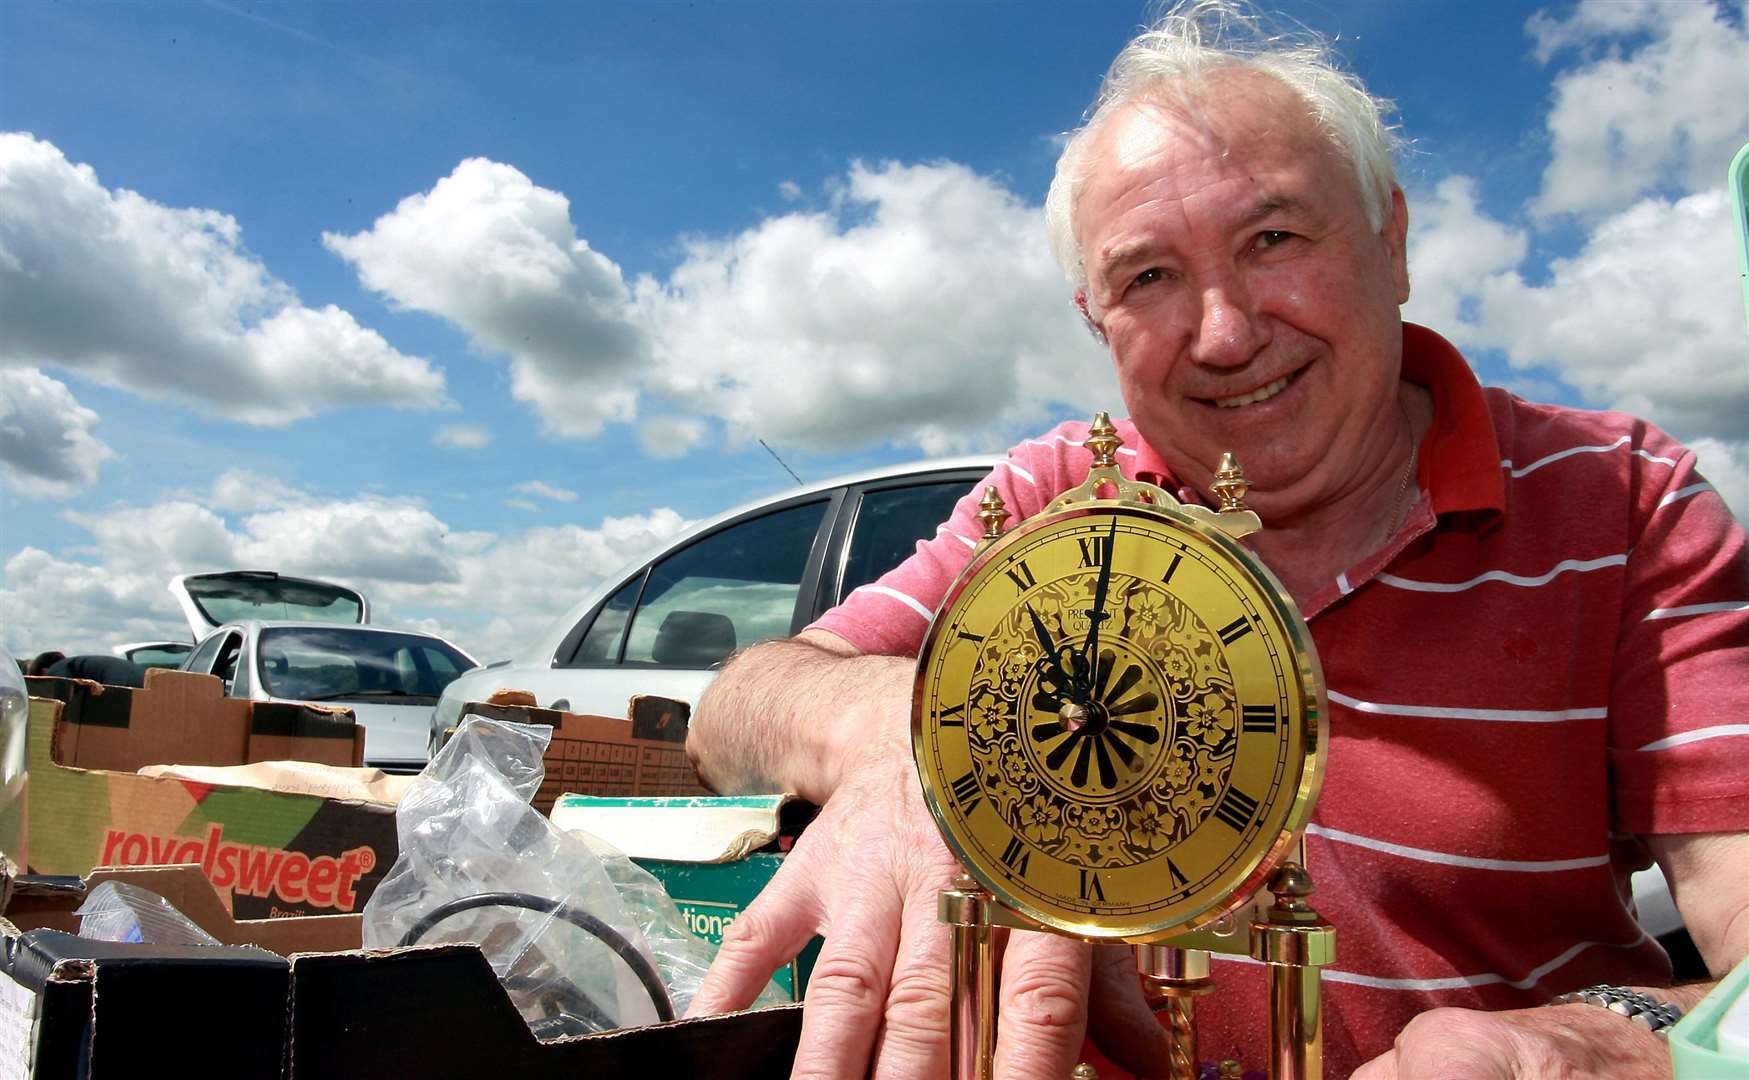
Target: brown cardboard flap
188,890
181,717
367,785
288,731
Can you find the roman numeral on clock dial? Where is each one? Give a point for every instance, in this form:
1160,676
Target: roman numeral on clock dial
1259,718
1236,808
966,792
1234,630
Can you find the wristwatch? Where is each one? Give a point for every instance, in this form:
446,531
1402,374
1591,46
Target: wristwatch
1643,1009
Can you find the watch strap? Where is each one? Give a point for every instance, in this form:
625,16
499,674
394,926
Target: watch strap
1649,1012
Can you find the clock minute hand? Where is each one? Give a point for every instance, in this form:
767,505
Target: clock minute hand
1090,655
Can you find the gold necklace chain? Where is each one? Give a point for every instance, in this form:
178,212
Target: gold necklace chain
1400,511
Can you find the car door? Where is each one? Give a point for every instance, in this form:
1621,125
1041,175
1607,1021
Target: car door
879,525
667,627
218,654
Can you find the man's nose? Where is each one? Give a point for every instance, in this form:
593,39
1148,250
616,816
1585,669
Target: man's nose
1229,331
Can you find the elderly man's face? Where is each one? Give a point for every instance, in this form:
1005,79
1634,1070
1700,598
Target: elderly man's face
1248,304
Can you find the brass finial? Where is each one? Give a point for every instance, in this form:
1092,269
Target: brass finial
992,512
1103,441
1230,484
1291,885
1231,1070
1083,1071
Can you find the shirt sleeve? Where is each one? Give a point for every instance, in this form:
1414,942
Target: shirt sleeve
1679,697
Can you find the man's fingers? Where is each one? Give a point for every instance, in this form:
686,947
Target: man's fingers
915,1040
1043,1006
1383,1067
848,988
773,929
1119,1021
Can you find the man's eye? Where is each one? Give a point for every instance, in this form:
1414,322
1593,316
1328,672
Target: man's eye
1269,238
1149,276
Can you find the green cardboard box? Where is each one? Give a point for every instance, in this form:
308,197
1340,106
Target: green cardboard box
713,854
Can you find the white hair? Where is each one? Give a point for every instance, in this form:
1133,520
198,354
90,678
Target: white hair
1171,60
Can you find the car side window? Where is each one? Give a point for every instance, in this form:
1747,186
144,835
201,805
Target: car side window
600,644
225,667
889,522
726,591
201,659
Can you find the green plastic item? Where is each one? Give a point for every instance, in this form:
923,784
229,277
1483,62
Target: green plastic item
1739,185
1694,1046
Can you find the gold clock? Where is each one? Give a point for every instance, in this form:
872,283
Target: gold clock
1116,713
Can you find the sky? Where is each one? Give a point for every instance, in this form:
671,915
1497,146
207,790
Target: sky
469,305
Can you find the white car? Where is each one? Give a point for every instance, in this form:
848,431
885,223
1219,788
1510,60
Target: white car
764,570
276,638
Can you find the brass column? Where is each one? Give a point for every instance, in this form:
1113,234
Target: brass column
1172,980
1295,942
965,907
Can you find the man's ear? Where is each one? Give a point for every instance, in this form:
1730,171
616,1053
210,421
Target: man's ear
1087,316
1396,234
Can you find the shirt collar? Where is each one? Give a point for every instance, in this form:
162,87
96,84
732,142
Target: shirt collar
1460,454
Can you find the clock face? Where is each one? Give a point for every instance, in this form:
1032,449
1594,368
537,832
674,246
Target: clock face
1115,721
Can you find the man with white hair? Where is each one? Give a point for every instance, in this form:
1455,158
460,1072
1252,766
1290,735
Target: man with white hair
1532,622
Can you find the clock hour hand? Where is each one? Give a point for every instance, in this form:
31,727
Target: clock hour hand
1089,667
1067,687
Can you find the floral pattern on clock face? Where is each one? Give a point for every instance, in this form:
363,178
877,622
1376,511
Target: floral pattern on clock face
1152,766
1111,722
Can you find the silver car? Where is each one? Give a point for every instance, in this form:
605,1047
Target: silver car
763,570
277,638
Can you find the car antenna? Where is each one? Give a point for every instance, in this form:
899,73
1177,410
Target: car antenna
779,460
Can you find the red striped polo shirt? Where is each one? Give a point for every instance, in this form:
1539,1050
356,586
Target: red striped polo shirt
1550,656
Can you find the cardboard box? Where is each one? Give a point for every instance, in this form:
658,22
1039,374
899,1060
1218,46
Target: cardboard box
604,755
713,854
271,853
72,1009
339,1014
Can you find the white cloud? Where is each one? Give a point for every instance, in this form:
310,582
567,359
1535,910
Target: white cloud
167,303
47,450
140,540
1453,245
242,490
490,593
462,437
523,504
365,538
671,436
1647,318
492,253
922,309
1631,123
1726,465
543,490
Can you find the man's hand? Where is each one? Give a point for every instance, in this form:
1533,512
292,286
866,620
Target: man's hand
866,874
1524,1044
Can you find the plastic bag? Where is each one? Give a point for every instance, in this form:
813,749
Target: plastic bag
682,956
466,830
117,911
